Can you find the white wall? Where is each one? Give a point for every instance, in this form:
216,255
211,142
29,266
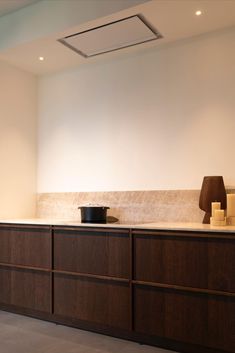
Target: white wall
18,104
159,119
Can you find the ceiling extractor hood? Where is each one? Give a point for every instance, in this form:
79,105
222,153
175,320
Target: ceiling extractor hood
111,36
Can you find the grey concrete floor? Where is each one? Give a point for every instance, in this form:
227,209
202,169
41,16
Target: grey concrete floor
20,334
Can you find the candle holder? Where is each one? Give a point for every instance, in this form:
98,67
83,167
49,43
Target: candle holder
212,190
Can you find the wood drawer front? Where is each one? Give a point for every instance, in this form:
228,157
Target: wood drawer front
221,265
171,260
221,323
168,314
92,300
191,262
99,253
186,317
25,289
28,247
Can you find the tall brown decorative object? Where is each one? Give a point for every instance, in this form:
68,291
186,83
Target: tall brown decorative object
212,190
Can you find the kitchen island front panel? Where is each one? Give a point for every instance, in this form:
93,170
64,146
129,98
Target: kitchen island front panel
170,288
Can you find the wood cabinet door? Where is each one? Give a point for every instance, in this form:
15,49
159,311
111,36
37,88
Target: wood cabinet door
149,310
185,316
25,246
25,288
221,264
92,300
188,261
93,252
171,260
221,323
170,314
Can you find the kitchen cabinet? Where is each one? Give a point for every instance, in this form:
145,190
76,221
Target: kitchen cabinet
24,288
104,252
24,245
186,259
168,313
170,288
184,287
92,271
25,262
94,300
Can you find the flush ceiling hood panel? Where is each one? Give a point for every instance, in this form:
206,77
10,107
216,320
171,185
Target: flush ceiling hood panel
111,36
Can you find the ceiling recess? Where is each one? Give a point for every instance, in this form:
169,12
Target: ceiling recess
111,36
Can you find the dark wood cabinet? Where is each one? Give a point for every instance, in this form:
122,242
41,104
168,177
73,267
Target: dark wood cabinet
175,289
184,316
184,287
25,288
27,246
25,265
171,260
104,252
171,314
221,323
92,273
221,264
94,300
187,260
149,311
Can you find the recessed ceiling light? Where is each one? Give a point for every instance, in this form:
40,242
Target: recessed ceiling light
40,58
198,13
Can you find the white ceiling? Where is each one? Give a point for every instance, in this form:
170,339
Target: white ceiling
7,6
174,19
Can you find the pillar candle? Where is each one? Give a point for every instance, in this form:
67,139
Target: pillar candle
230,205
215,206
219,215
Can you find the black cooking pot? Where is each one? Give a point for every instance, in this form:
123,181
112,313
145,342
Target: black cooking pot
93,214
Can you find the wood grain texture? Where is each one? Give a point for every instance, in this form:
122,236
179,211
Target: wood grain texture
221,264
149,311
25,246
186,317
176,288
25,288
100,252
221,323
92,300
192,262
165,313
171,260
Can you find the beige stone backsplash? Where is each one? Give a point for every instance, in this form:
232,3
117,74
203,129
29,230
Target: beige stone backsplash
127,206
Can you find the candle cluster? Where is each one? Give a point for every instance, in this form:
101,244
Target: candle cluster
217,215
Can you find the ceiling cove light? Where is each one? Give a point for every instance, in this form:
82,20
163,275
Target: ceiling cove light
198,13
112,36
41,58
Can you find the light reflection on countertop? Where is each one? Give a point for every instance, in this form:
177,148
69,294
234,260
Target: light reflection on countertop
184,226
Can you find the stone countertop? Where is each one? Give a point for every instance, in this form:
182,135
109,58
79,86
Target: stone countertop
171,226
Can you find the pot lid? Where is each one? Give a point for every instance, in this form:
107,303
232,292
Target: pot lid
93,205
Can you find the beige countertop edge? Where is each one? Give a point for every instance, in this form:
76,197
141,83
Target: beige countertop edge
184,226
